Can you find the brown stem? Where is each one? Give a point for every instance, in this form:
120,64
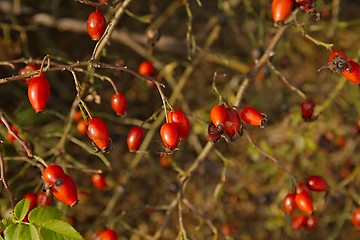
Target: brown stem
3,179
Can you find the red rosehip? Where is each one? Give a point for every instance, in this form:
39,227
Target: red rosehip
289,204
317,183
134,138
281,9
32,199
355,217
10,137
53,175
304,202
307,6
169,133
232,123
146,68
29,68
165,160
38,93
179,117
96,25
43,199
66,192
99,181
311,223
81,127
253,117
307,109
352,73
98,132
218,115
299,221
118,103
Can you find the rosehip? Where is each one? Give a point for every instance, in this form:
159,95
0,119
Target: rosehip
96,25
98,132
118,103
53,175
81,127
32,199
304,202
299,221
355,217
253,117
38,93
169,133
289,204
10,137
317,183
213,133
311,223
232,123
218,115
134,138
165,160
146,68
281,9
66,192
43,199
307,109
31,67
182,121
99,181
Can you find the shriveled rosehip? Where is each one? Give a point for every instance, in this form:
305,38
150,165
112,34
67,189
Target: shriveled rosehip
299,221
118,103
355,217
232,123
281,9
81,127
307,6
213,133
253,117
146,68
96,25
98,132
134,138
307,109
169,133
99,181
289,204
38,93
66,192
43,199
53,175
10,137
29,68
318,183
32,199
179,117
304,202
218,116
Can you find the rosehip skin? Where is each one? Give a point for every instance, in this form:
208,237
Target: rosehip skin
32,199
43,199
179,117
355,217
99,181
253,117
299,221
307,109
304,202
118,103
289,204
38,93
218,115
281,9
146,68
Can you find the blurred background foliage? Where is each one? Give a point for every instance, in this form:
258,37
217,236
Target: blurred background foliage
249,206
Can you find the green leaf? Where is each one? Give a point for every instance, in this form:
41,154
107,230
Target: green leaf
59,230
21,231
43,214
21,209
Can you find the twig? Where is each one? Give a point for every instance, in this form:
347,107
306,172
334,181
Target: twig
3,179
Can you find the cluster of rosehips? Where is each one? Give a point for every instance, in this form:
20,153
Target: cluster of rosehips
176,128
301,198
61,185
226,121
281,9
38,87
340,63
106,234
